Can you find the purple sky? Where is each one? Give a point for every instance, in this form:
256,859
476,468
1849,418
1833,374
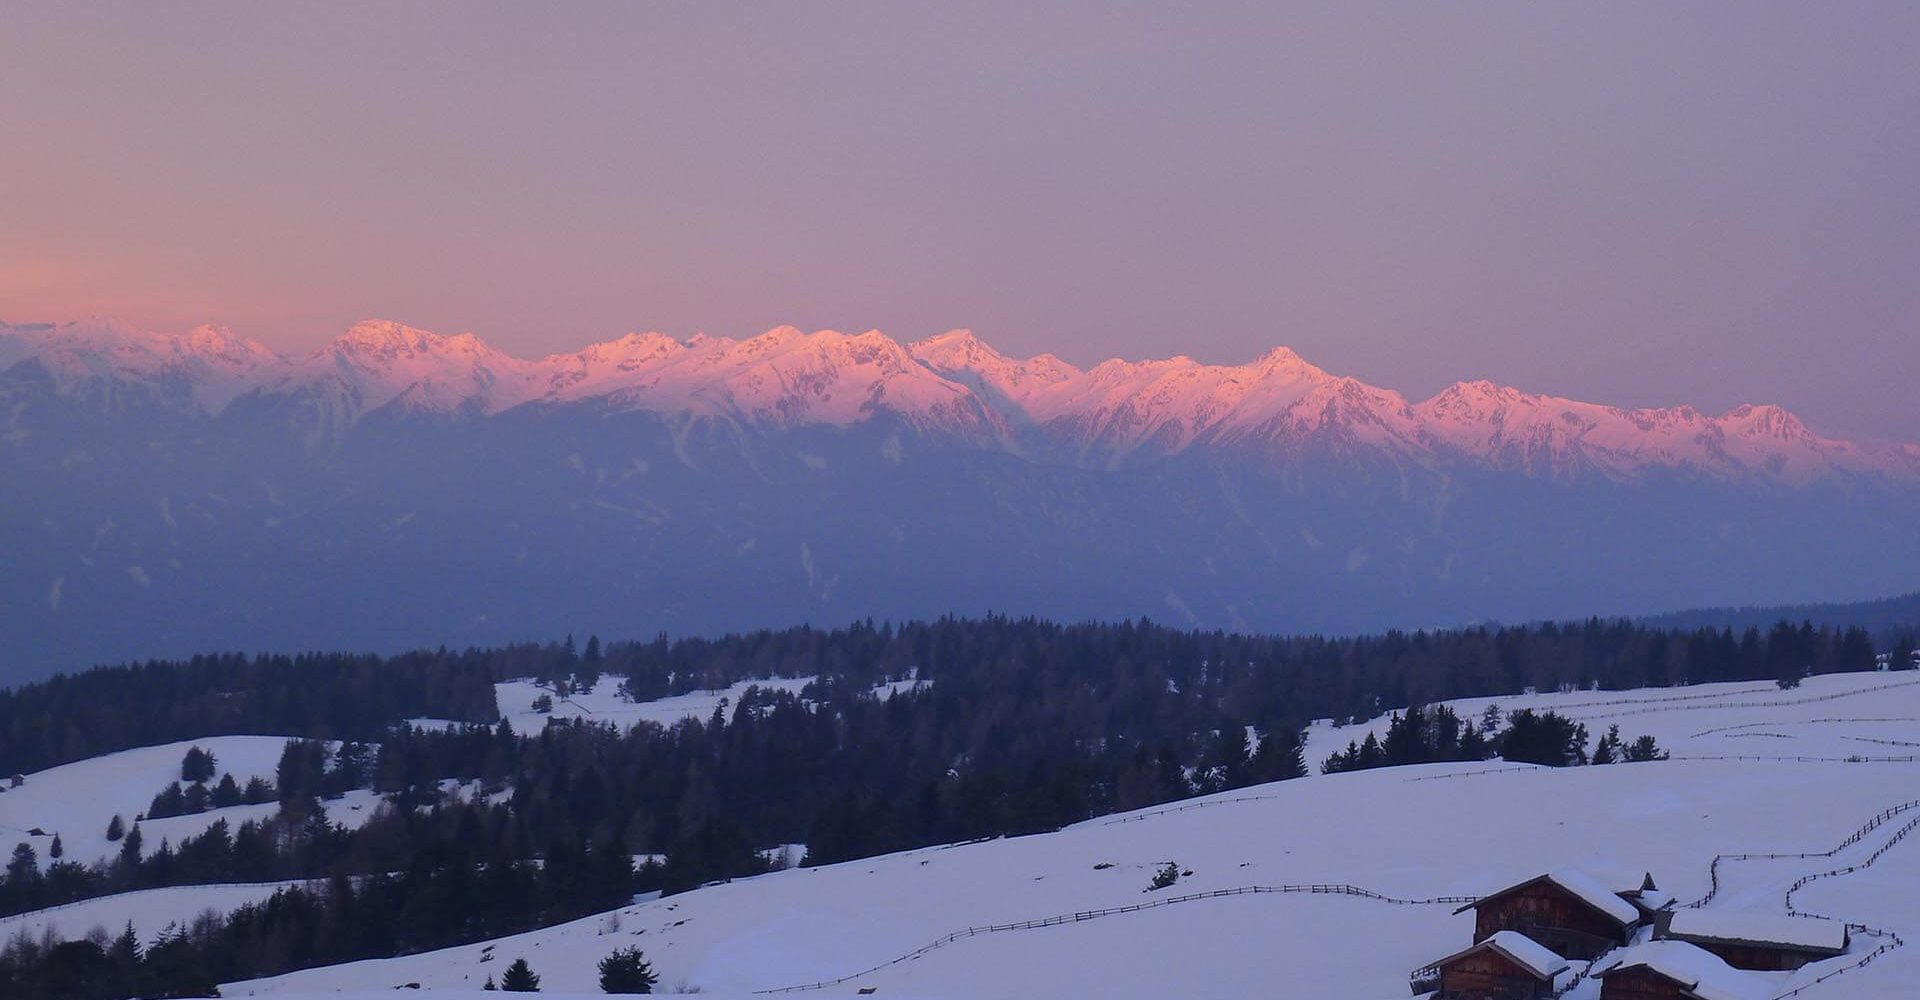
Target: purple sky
1641,204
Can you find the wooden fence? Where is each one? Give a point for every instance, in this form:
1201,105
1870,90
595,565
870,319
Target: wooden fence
1151,904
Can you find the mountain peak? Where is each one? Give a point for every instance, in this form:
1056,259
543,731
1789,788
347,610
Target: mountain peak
1766,420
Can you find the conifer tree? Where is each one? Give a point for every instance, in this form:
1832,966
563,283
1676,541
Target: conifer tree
197,766
520,978
626,970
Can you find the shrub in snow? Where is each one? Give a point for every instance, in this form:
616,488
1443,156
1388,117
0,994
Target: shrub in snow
1165,877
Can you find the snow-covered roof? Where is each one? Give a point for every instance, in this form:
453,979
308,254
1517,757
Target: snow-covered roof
1582,887
1521,949
1738,927
1528,953
1701,974
1655,899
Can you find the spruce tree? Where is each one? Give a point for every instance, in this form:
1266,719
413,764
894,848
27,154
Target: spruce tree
197,766
520,978
626,970
116,828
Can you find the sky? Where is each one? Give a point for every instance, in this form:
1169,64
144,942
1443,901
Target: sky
1641,204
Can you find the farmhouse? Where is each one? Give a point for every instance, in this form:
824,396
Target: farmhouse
1506,966
1674,970
1566,911
1759,941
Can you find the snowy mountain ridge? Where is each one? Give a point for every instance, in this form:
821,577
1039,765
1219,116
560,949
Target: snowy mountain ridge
1278,406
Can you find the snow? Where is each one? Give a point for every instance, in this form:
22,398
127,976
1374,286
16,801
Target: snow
1733,925
1532,956
959,385
1705,719
604,703
1582,886
1443,830
1595,895
77,800
149,910
1705,975
1423,832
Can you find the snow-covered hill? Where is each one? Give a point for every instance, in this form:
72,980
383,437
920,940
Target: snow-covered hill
1755,770
76,801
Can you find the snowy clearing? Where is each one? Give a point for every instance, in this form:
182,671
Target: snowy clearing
77,800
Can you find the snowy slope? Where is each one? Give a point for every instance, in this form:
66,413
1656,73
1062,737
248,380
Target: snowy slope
1412,833
605,704
77,800
149,910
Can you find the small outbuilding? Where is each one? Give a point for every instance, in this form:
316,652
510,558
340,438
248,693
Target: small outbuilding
1761,942
1506,966
1674,970
1566,911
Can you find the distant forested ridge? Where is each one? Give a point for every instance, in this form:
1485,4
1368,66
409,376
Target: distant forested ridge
1888,619
1106,679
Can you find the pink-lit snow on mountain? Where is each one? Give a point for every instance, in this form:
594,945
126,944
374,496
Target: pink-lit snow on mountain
1278,405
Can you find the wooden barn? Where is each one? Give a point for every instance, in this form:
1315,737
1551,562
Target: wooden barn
1674,970
1762,942
1566,911
1506,966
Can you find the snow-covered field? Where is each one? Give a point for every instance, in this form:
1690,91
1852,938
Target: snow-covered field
605,703
1411,833
149,910
78,800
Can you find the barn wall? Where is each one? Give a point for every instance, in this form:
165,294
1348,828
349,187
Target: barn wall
1539,909
1488,975
1757,957
1638,984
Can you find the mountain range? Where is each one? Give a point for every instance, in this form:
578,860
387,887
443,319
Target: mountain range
167,493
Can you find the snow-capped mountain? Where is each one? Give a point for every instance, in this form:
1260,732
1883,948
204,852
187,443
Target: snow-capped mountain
207,365
173,493
1115,413
782,378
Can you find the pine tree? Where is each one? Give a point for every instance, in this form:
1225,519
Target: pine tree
626,970
520,978
116,828
490,987
56,849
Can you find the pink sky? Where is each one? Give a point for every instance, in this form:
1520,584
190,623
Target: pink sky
1642,205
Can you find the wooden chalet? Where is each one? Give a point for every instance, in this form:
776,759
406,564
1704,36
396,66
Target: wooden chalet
1506,966
1568,912
1762,942
1674,970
